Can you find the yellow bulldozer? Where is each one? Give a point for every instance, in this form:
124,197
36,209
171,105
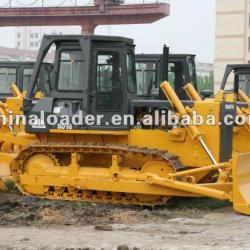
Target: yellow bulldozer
92,138
235,87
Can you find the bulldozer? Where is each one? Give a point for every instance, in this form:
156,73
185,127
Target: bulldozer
240,82
152,69
234,85
234,88
63,153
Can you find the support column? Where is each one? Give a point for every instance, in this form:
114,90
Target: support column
88,28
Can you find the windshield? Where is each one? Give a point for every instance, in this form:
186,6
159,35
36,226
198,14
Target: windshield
71,67
244,83
44,80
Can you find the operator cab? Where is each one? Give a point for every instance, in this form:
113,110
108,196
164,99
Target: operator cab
236,77
20,74
150,71
92,75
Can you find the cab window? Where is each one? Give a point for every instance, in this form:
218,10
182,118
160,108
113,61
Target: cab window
146,78
130,73
108,82
44,80
27,74
70,68
192,75
229,87
7,77
244,83
176,78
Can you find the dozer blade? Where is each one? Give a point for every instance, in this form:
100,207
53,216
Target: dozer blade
241,183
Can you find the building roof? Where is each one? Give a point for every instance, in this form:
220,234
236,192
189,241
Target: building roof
17,53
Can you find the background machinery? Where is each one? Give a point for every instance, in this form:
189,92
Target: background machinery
128,163
152,69
235,87
240,81
20,74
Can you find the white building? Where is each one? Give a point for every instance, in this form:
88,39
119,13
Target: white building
29,38
232,42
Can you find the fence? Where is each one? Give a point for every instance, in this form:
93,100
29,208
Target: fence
61,3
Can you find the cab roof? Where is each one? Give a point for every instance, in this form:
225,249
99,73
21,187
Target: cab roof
157,56
18,63
97,38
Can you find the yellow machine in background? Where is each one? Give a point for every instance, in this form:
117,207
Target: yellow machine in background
235,94
12,136
127,164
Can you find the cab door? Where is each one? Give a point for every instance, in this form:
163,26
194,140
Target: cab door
107,88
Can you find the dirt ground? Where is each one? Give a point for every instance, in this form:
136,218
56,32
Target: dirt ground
32,223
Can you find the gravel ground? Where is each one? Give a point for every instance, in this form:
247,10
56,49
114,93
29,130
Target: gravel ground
31,223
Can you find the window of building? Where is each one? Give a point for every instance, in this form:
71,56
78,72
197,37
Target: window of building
18,35
31,44
249,43
31,35
18,44
36,35
36,44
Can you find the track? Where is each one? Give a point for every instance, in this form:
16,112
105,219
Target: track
134,159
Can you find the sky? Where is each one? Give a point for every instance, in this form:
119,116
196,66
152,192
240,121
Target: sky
189,29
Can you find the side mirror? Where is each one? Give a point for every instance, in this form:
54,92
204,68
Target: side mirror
207,93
